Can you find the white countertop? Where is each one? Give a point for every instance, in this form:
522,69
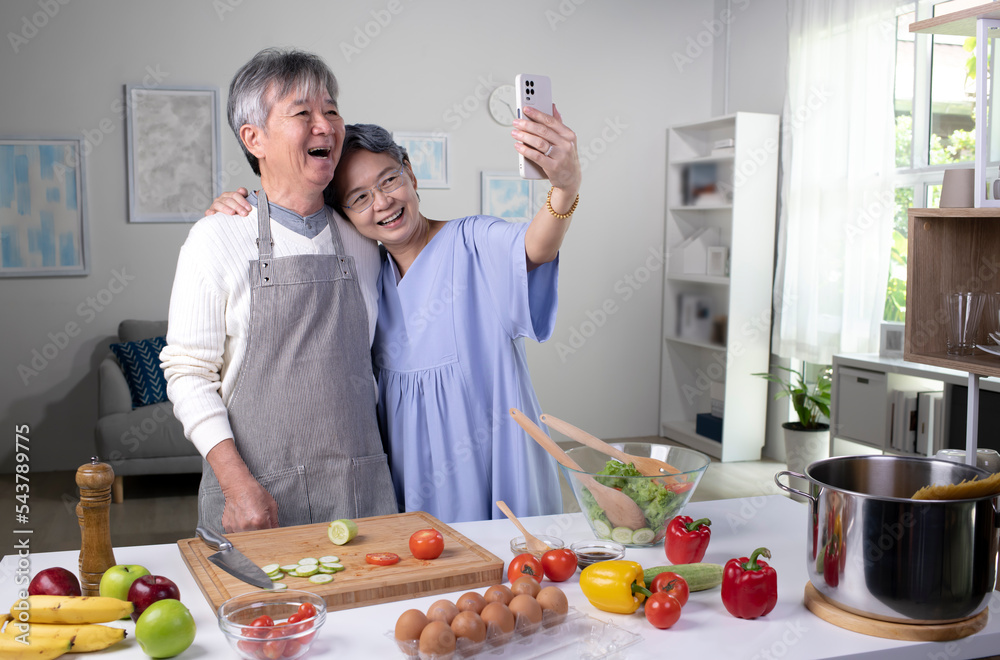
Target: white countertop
705,631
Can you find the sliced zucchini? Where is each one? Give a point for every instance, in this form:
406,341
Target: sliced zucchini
289,568
271,568
622,535
306,570
601,528
308,561
329,559
643,536
321,579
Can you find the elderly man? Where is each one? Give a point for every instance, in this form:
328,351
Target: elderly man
268,349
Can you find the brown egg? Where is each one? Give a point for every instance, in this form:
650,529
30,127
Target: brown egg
499,593
410,624
471,601
526,606
437,639
552,598
499,615
470,625
525,585
442,610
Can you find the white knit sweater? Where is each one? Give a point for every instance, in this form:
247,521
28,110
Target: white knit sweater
209,321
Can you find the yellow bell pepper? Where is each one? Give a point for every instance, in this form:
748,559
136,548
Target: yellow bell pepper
614,586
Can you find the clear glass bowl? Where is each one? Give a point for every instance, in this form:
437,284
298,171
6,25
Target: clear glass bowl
592,551
258,643
660,498
518,546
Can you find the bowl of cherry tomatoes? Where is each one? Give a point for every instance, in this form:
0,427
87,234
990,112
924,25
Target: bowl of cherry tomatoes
266,625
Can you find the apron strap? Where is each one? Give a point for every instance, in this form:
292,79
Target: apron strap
264,241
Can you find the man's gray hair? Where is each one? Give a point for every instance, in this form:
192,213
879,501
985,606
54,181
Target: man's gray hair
269,76
364,137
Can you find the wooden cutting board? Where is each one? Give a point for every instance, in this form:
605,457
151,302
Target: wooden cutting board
463,564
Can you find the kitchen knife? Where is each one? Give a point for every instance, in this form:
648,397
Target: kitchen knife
232,560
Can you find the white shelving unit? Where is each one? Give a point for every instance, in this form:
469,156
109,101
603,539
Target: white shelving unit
745,218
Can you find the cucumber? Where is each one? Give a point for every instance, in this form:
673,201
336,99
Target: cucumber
699,576
306,570
289,568
643,536
329,559
601,528
271,568
321,579
622,535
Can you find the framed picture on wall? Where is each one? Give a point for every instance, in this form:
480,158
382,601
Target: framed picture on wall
429,156
43,218
173,152
506,195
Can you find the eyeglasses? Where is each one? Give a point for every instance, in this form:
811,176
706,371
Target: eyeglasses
361,200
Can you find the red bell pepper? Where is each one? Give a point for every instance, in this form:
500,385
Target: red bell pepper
749,586
831,562
687,541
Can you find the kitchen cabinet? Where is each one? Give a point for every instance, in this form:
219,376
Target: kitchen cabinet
721,191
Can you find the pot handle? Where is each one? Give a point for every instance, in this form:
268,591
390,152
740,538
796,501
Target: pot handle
789,489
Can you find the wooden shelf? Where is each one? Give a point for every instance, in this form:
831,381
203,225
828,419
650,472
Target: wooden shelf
949,250
960,23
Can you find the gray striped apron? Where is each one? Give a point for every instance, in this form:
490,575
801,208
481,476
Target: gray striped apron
303,406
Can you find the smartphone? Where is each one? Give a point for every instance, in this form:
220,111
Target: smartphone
536,91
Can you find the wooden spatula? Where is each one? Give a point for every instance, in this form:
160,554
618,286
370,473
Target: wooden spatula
535,546
620,509
650,467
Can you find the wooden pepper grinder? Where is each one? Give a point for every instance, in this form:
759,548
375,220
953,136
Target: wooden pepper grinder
93,512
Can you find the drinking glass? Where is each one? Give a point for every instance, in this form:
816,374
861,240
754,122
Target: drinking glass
963,312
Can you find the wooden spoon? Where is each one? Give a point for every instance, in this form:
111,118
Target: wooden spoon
534,545
620,509
650,467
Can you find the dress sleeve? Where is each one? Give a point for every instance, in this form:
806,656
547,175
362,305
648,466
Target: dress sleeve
192,358
526,302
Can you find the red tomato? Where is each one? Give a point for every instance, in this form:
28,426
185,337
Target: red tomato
559,565
307,610
427,544
273,650
305,625
672,585
249,647
292,647
525,564
263,620
382,558
662,610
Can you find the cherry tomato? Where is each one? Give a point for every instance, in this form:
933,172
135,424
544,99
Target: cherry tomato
679,488
382,558
427,544
662,610
292,647
249,647
262,620
525,564
559,565
307,610
303,624
272,650
672,585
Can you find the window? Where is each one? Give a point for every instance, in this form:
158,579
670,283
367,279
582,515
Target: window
935,102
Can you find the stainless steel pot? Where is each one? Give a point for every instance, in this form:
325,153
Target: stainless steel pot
874,551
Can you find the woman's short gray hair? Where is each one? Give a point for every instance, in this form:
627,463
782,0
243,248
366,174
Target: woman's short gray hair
270,75
364,137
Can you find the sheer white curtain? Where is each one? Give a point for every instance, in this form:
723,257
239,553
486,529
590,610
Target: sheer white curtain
837,200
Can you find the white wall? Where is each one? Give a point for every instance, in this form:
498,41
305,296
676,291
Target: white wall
614,80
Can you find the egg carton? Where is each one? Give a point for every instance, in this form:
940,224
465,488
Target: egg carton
570,635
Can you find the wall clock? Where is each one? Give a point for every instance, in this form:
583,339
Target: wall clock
501,105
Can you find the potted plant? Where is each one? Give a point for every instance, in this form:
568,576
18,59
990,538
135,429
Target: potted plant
808,439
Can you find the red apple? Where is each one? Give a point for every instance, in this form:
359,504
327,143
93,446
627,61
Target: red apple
148,589
54,582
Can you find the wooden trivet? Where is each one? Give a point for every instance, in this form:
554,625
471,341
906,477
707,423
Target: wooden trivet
913,632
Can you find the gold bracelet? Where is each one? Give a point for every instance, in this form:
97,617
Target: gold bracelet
561,216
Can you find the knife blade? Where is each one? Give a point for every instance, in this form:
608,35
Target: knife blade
232,560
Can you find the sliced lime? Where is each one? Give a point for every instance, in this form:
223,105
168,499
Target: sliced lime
321,579
342,531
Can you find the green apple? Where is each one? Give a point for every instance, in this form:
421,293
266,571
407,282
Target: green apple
165,629
117,580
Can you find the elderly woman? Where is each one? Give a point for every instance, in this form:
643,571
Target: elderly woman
457,300
270,323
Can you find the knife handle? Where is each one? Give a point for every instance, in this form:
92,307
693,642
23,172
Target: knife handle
213,539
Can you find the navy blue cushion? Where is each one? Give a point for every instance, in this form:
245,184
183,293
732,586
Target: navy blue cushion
140,360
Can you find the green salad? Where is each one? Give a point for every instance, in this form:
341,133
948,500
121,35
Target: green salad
657,503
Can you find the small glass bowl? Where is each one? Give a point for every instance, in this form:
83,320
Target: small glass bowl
592,551
237,613
517,544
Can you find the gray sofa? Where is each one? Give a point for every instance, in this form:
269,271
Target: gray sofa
147,440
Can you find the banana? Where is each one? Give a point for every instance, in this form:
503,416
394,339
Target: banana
11,649
72,609
83,638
